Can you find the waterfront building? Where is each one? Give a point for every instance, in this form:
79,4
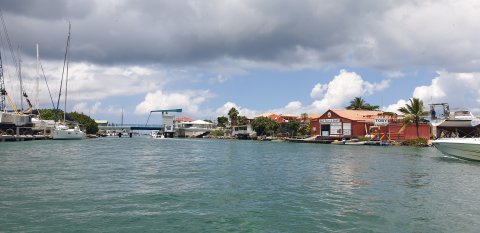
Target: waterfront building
195,128
344,123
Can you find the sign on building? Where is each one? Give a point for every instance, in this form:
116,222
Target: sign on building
381,121
329,121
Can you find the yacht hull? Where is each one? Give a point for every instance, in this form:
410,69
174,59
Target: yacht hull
465,148
67,134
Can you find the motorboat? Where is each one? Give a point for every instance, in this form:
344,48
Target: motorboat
465,148
458,119
157,134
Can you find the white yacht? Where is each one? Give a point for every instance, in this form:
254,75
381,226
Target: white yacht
63,132
465,148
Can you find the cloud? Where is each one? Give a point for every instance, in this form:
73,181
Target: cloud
344,87
394,74
336,94
318,91
388,35
96,109
87,81
189,101
460,90
223,110
394,107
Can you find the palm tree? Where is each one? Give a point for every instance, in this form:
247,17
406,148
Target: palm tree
413,112
233,115
359,104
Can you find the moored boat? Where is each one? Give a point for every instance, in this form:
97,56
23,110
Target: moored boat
63,132
465,148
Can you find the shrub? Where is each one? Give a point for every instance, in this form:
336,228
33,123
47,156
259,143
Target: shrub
419,142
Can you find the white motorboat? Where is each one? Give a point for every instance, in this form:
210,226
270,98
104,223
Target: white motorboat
157,134
465,148
447,118
63,132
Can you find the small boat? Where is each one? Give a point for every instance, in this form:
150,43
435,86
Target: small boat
157,134
464,148
354,142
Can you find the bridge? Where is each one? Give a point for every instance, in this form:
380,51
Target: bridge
130,127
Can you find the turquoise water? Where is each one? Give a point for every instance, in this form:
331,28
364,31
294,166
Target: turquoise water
149,185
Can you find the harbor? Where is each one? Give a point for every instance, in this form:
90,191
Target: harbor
239,116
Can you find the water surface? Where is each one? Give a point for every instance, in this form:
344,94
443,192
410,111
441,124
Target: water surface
174,185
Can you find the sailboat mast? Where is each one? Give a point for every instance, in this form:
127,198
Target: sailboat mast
63,72
20,77
37,84
66,83
122,118
2,86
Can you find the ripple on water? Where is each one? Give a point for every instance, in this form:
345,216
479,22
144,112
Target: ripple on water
140,184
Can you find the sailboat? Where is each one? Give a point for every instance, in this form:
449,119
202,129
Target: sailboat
62,131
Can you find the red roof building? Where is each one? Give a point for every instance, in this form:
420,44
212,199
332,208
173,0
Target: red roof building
343,123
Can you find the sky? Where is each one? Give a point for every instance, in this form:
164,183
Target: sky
286,57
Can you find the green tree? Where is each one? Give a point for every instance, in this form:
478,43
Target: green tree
233,115
222,121
359,104
305,129
87,123
413,113
264,125
242,120
217,133
290,127
49,114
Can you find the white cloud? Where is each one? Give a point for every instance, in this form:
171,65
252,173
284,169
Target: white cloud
96,108
223,110
189,101
394,74
460,90
344,87
89,82
394,107
318,91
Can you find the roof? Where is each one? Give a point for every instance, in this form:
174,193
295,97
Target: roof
180,119
314,116
199,122
266,114
101,121
356,115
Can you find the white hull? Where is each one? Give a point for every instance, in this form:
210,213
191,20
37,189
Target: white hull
67,134
455,123
466,148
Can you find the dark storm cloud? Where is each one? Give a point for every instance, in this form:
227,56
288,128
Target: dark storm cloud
47,9
364,33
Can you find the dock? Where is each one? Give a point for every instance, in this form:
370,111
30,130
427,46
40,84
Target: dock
13,138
